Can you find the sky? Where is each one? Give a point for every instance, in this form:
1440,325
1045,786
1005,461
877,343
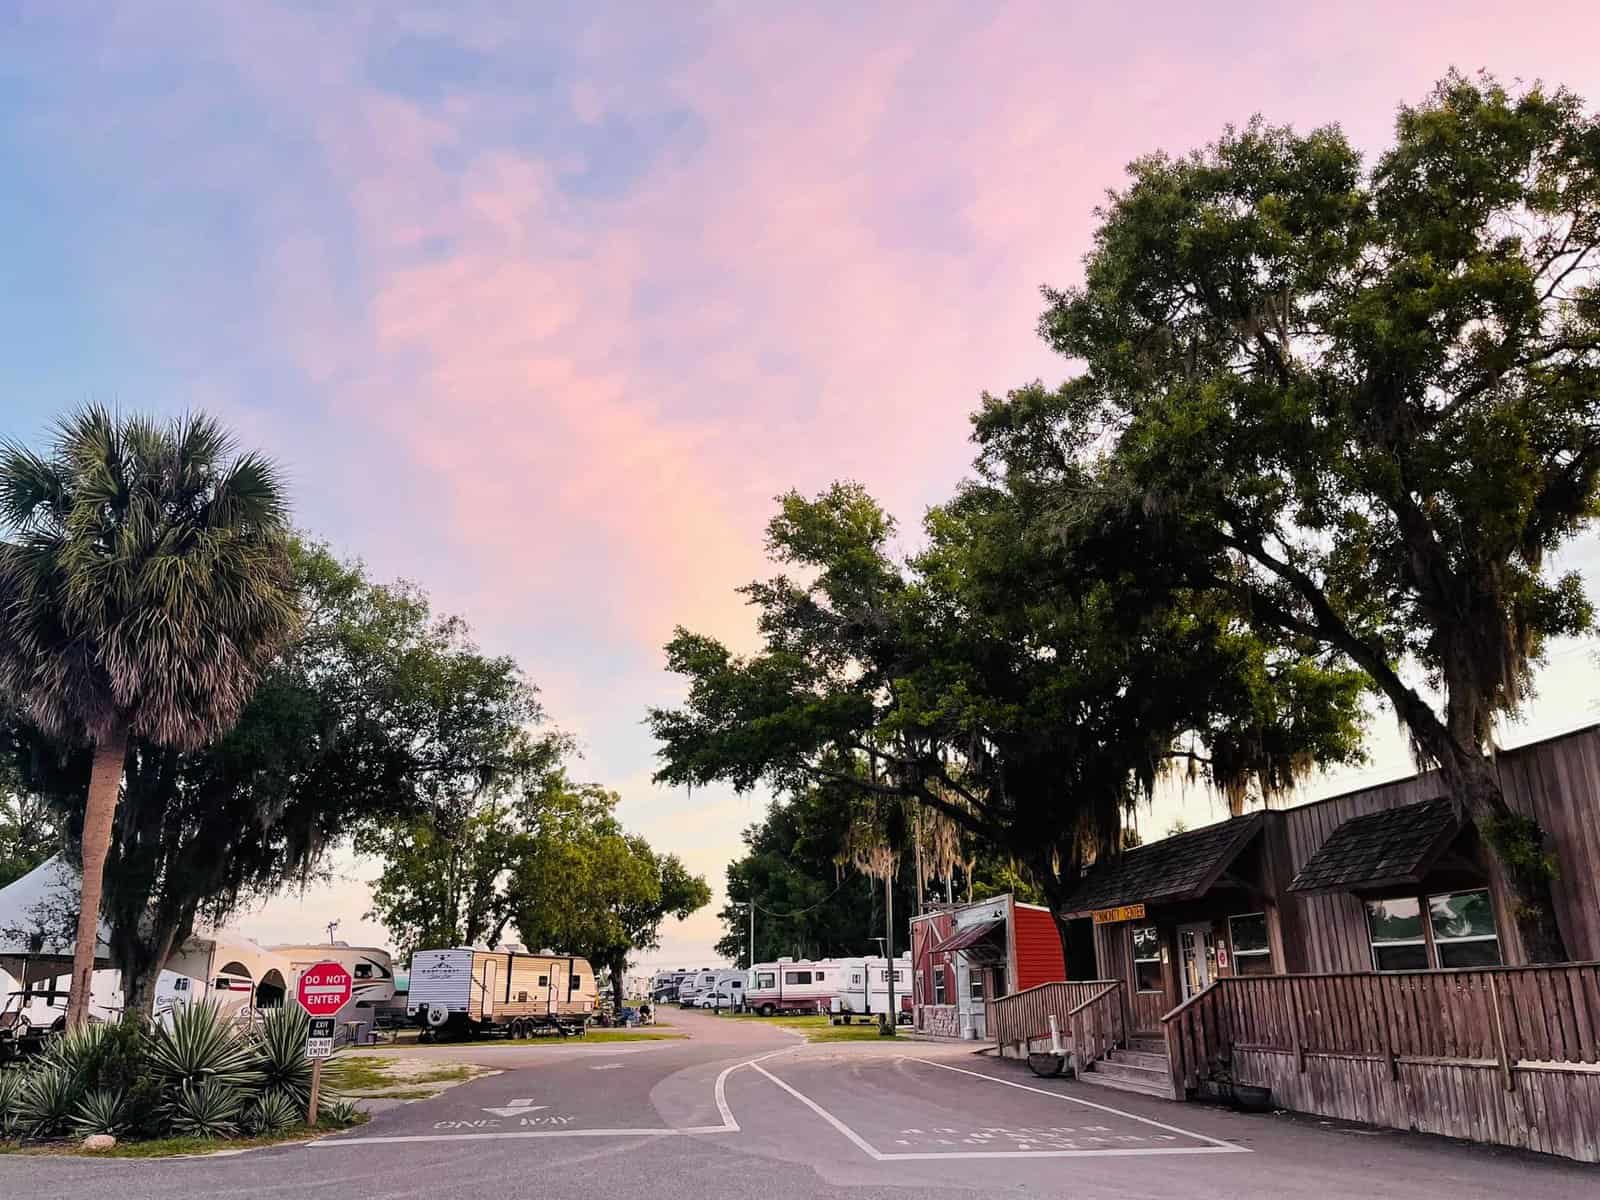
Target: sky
539,306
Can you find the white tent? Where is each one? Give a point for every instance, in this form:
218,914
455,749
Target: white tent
37,917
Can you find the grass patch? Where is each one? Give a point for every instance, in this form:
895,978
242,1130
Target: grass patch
173,1147
394,1078
817,1028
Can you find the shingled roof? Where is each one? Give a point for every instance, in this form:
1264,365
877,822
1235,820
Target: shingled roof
1382,849
1183,867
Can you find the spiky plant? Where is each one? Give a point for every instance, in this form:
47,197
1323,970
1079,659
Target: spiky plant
209,1110
144,585
102,1111
11,1083
341,1112
47,1101
273,1112
78,1051
280,1052
199,1046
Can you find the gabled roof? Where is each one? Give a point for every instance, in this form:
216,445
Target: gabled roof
1391,847
1183,867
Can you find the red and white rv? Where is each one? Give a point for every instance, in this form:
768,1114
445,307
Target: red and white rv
793,985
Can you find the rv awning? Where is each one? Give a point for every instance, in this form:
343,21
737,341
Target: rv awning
1184,867
1394,847
973,935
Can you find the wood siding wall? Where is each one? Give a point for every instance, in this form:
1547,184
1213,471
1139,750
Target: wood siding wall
1557,782
1037,948
1025,1016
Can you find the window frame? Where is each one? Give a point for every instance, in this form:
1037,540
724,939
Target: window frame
1431,941
976,987
766,979
1254,955
1133,950
940,992
792,979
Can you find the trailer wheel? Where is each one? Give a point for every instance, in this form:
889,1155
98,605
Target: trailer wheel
766,1010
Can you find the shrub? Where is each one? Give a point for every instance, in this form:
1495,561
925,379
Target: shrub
200,1049
112,1058
10,1103
275,1112
280,1050
101,1111
341,1112
48,1099
204,1110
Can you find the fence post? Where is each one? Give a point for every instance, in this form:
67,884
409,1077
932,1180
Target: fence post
1500,1034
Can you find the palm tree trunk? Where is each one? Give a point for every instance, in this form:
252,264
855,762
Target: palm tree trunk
105,781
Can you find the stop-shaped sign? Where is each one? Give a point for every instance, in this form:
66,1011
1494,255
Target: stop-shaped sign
324,989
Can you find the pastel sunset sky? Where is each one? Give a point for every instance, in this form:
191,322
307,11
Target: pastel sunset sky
541,304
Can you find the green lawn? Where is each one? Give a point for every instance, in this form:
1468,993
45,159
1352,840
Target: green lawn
369,1075
816,1028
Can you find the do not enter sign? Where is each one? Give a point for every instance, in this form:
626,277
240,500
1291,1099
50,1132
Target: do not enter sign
324,989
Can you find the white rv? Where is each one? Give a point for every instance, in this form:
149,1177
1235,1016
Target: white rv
865,988
793,986
462,991
371,972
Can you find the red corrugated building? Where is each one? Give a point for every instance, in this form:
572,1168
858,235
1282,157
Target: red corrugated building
965,954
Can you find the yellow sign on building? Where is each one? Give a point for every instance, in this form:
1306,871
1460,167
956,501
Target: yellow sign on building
1125,912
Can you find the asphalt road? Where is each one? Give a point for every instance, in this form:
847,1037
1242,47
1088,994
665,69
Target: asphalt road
744,1111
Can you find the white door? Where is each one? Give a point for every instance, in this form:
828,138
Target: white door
491,973
1197,958
557,982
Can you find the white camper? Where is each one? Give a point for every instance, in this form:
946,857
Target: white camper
865,989
371,972
462,991
793,986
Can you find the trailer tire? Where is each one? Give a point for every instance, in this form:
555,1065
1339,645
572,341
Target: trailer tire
767,1010
438,1016
1047,1066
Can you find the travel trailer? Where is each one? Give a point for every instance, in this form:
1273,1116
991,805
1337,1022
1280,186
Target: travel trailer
371,972
793,986
864,989
463,991
706,982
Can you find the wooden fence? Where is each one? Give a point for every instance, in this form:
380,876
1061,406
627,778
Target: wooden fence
1504,1054
1024,1016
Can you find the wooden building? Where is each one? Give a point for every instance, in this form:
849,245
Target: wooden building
1384,879
965,956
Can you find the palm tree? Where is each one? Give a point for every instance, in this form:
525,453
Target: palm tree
144,585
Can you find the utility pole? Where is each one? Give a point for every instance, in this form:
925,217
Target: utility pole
888,911
332,925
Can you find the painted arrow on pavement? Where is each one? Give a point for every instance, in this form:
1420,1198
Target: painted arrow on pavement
516,1108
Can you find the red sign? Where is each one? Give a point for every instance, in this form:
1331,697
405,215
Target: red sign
324,989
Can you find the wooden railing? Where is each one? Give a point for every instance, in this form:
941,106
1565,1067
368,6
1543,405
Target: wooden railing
1099,1025
1503,1015
1025,1015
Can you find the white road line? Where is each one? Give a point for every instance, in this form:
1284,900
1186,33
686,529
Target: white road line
861,1143
720,1091
1212,1146
1188,1133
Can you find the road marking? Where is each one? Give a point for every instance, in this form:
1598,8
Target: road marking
1188,1133
607,1067
516,1108
719,1092
1212,1146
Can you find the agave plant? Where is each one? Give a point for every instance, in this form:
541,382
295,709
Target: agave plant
11,1083
208,1110
275,1112
199,1047
341,1112
102,1111
78,1051
280,1052
47,1101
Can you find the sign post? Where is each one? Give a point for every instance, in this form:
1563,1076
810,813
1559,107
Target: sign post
322,991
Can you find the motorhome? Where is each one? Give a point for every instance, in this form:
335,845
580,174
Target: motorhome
793,986
371,972
664,986
706,981
463,990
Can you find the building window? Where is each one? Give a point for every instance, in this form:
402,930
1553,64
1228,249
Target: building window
1463,929
1459,932
1252,953
975,985
766,979
791,978
1398,942
938,985
1147,959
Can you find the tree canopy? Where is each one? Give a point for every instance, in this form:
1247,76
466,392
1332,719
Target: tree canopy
993,680
1358,401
